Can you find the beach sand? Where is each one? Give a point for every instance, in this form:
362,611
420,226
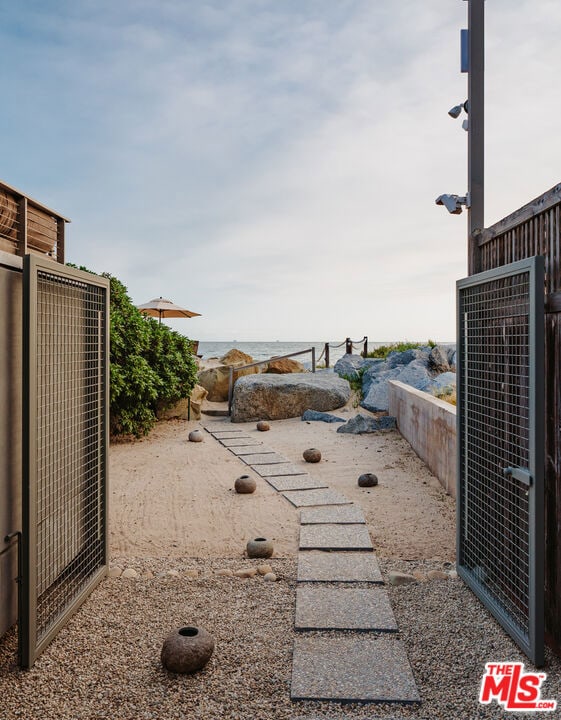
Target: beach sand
177,525
171,497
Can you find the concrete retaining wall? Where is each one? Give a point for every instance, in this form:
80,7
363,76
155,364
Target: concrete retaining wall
429,425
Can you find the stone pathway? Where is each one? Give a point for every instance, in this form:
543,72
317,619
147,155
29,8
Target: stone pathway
335,562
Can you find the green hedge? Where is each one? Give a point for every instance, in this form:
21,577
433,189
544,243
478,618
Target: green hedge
152,367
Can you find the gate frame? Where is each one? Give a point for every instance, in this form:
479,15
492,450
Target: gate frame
533,645
28,647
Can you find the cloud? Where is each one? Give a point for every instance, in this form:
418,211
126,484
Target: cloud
274,165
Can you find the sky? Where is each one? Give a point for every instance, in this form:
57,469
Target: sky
273,164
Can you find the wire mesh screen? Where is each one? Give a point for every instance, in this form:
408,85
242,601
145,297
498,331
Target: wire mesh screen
497,449
67,455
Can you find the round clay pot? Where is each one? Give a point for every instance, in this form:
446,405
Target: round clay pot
263,426
195,436
312,455
260,548
187,649
367,480
245,485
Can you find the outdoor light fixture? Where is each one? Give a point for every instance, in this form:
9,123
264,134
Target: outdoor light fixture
455,112
453,203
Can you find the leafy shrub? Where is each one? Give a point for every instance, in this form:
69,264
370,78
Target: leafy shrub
384,350
355,381
152,367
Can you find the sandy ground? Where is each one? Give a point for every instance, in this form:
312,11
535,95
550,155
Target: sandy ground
171,497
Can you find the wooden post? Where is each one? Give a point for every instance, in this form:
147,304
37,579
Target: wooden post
60,240
22,227
326,351
230,389
365,351
313,359
348,346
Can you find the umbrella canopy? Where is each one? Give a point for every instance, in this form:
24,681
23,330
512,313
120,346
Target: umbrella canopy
162,308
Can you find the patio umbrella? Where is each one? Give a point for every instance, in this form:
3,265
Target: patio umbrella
162,308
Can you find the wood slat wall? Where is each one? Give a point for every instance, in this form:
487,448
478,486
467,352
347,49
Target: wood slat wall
27,226
535,229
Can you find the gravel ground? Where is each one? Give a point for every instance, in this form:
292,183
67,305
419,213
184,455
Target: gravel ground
105,663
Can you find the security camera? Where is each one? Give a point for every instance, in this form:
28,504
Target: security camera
452,203
455,112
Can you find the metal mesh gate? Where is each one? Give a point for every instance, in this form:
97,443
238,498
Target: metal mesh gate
65,446
500,446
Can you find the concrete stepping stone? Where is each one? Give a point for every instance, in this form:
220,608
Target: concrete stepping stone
264,459
307,498
228,434
238,442
344,514
352,669
320,607
292,482
281,469
222,425
251,450
335,537
318,566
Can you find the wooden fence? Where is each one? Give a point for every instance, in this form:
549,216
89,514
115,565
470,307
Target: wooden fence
27,226
535,229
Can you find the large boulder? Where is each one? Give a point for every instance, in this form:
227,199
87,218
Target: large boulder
216,380
283,366
348,366
183,409
275,397
438,360
236,357
445,381
415,374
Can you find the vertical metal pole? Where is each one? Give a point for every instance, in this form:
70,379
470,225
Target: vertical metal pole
476,149
230,389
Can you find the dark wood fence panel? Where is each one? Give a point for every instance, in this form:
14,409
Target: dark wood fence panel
535,229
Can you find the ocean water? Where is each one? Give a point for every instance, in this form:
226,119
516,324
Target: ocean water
266,350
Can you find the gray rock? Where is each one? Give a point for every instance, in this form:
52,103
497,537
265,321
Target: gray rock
275,397
396,358
348,366
387,422
452,359
415,374
321,416
440,382
362,424
377,397
375,373
438,360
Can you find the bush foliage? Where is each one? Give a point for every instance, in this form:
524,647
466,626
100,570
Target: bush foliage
152,367
384,350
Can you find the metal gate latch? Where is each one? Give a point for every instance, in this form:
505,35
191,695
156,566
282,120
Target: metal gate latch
520,474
